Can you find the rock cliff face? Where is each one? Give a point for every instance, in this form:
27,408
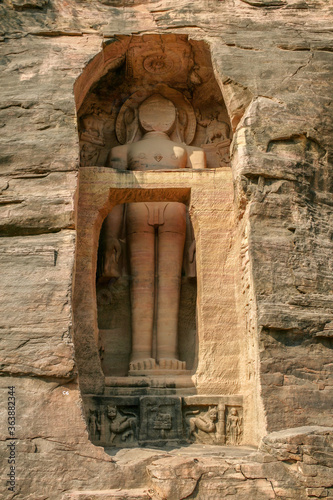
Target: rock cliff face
273,62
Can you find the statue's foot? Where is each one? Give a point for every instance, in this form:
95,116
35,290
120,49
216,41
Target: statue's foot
142,364
171,364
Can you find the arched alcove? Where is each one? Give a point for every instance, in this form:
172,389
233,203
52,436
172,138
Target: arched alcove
110,94
132,68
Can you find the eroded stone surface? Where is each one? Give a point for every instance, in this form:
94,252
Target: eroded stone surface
273,62
36,322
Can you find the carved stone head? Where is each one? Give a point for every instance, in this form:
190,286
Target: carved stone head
212,414
157,114
111,412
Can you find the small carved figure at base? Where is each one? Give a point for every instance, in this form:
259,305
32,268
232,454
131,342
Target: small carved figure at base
234,427
205,423
94,425
124,426
160,418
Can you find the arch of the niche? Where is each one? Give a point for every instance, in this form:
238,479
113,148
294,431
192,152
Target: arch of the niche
110,57
235,96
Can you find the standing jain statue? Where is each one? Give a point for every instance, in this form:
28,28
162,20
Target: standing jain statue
155,234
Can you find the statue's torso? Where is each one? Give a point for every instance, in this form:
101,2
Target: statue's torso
156,154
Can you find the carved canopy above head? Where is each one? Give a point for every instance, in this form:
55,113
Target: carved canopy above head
132,104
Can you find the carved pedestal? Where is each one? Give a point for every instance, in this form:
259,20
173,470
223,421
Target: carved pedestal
129,421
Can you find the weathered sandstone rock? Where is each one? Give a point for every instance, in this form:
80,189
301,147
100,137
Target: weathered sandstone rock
272,61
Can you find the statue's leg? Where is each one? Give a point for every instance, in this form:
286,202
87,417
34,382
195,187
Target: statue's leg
140,238
171,240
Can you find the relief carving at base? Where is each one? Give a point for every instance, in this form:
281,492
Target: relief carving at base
160,419
130,420
234,427
207,426
206,422
124,426
95,425
217,139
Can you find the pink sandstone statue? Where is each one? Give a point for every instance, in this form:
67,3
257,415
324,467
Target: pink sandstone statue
155,237
233,427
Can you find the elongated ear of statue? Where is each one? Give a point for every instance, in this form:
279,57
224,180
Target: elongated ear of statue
181,124
131,123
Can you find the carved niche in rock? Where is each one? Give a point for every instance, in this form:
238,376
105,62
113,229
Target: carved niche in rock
155,114
157,107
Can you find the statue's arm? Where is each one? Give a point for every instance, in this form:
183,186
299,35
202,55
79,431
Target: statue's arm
113,222
111,247
118,158
196,157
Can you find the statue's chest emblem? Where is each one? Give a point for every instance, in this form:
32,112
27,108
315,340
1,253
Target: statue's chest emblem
158,157
169,157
